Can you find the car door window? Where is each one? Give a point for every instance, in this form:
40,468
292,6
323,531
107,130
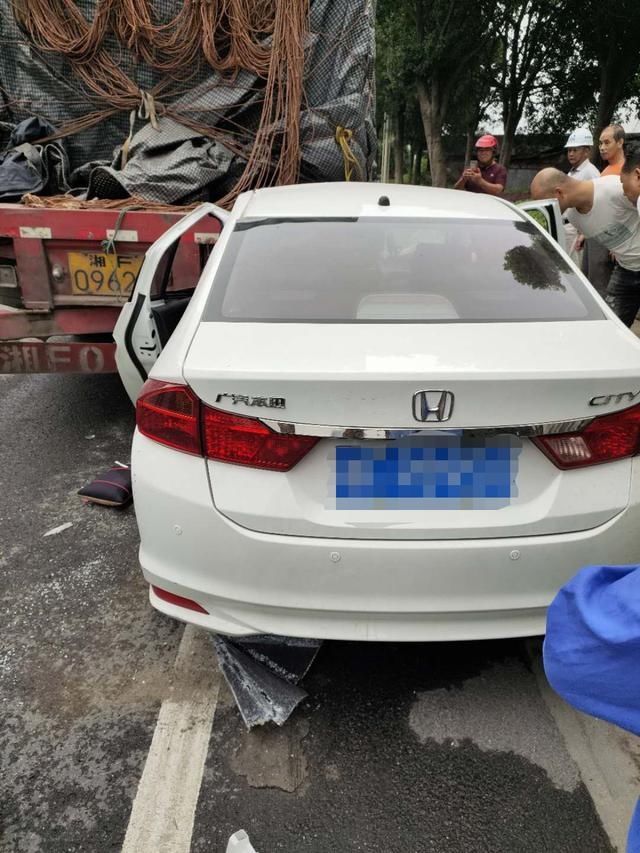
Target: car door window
174,281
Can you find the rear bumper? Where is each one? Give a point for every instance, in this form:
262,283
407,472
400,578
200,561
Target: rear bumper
237,619
350,589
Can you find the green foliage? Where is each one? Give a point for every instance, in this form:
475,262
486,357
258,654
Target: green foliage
540,218
454,42
395,45
531,42
598,67
555,63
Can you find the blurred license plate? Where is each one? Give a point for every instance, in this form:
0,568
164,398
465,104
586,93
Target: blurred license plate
440,472
99,274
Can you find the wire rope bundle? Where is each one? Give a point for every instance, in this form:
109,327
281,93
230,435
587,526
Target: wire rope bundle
264,37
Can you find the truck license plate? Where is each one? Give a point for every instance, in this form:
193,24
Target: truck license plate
99,274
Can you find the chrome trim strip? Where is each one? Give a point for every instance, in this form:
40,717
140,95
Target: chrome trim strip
524,430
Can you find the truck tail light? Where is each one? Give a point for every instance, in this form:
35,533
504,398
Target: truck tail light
604,439
173,415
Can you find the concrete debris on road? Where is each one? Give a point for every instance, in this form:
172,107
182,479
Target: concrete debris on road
55,530
240,843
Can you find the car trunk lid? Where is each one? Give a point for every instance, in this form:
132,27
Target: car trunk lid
354,386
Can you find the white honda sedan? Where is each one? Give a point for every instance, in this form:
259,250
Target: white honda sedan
387,413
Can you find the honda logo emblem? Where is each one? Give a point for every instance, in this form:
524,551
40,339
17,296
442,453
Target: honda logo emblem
432,405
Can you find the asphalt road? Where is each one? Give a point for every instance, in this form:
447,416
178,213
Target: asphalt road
398,748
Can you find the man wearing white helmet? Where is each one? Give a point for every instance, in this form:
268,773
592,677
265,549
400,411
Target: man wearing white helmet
484,175
578,147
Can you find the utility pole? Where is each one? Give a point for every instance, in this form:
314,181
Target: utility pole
386,149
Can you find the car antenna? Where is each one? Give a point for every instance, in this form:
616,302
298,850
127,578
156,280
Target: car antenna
383,201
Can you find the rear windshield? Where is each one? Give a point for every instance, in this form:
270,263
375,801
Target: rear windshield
374,270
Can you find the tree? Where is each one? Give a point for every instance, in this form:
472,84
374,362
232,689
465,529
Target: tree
398,144
608,35
414,134
395,79
555,62
534,36
600,68
613,39
476,95
450,44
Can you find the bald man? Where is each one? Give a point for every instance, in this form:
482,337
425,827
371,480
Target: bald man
600,210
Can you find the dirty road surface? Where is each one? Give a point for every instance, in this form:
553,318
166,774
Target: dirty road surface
117,732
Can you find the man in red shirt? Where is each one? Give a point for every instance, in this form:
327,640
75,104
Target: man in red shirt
485,175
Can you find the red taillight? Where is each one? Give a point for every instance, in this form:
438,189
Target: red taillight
606,438
246,441
172,415
172,598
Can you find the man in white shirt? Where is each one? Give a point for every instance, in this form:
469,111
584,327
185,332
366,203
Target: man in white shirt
630,176
578,147
600,210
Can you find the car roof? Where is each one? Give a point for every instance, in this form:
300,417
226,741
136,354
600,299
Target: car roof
355,199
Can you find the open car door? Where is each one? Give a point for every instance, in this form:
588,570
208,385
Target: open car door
546,213
156,305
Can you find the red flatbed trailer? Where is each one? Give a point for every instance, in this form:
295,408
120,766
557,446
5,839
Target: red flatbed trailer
64,275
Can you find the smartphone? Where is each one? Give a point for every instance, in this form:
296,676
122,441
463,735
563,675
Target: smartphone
473,164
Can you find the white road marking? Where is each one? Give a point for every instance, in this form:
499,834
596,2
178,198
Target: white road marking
608,758
164,808
55,530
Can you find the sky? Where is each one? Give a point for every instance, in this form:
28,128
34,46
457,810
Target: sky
630,123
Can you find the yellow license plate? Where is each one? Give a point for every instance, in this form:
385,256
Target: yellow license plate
103,275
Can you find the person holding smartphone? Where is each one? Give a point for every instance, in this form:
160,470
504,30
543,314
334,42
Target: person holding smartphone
485,174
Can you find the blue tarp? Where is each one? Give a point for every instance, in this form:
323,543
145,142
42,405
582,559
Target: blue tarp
592,650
